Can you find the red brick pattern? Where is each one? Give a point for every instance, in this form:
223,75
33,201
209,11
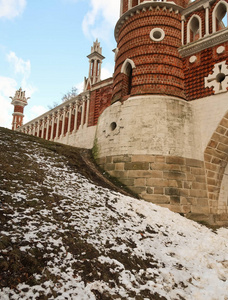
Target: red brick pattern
18,108
99,100
196,72
159,68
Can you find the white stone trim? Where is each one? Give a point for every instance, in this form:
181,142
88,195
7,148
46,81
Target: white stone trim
160,32
125,64
221,2
213,79
204,43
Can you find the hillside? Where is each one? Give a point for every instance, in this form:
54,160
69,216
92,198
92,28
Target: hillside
64,234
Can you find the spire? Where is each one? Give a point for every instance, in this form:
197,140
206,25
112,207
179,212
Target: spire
19,101
95,61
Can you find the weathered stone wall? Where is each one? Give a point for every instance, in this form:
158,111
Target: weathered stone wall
170,181
152,124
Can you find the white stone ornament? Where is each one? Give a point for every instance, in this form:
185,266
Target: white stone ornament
220,50
219,78
157,34
192,59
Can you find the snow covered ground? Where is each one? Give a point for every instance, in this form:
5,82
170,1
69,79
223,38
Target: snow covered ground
76,240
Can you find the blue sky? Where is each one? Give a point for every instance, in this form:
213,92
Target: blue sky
44,46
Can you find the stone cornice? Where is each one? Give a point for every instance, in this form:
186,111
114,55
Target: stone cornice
147,5
208,41
196,6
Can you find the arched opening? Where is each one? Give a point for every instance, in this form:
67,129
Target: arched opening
194,29
129,75
127,70
216,166
220,16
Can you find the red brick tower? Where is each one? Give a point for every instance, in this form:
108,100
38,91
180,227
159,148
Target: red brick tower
148,36
19,101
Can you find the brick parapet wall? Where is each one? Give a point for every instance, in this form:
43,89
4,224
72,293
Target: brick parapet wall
100,99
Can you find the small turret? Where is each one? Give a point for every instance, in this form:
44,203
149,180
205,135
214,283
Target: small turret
95,61
19,101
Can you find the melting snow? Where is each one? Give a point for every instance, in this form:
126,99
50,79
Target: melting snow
177,258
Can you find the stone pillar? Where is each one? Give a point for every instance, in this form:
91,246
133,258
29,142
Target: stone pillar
76,115
90,68
57,127
83,111
47,131
69,119
52,126
182,29
94,72
38,129
34,129
87,110
42,133
63,123
206,7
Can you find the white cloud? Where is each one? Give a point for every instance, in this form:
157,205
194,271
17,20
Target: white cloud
11,8
20,66
106,71
80,86
33,112
101,18
7,89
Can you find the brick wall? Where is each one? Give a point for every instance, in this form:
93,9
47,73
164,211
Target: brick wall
18,108
197,71
99,100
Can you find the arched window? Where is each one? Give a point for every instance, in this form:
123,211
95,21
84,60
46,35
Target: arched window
129,74
194,29
127,70
220,16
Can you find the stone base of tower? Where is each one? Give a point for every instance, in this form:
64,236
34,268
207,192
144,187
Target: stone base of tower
153,145
169,181
174,182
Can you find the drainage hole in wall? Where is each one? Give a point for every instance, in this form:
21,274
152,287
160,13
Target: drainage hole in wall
113,126
220,77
